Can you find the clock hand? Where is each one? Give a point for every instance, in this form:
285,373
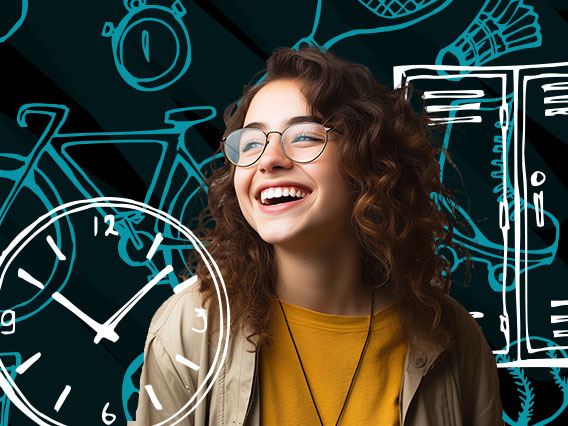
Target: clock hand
99,328
146,44
108,327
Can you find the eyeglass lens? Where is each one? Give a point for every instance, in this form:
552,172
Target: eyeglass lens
302,142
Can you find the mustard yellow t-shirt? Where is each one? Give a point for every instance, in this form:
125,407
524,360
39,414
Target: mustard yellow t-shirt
330,346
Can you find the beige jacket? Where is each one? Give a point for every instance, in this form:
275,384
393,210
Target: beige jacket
454,387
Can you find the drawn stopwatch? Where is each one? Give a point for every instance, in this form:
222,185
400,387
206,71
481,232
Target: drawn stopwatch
74,354
151,45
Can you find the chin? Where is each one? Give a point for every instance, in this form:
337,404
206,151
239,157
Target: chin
276,238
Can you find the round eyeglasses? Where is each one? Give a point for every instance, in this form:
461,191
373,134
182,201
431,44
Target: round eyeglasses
301,143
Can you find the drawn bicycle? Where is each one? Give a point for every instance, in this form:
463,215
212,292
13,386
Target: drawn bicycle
172,186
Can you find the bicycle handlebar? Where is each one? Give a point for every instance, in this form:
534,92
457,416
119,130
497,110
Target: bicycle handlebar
57,112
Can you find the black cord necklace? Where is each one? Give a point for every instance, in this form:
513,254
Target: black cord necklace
356,369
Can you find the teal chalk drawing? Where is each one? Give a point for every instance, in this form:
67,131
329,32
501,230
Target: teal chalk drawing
16,25
500,27
526,394
129,390
11,361
150,19
23,175
526,391
146,44
174,195
390,15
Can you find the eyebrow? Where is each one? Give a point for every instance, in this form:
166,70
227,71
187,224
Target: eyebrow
289,122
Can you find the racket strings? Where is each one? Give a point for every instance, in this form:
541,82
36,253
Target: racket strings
396,8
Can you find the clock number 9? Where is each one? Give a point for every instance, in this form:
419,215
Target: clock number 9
108,418
8,322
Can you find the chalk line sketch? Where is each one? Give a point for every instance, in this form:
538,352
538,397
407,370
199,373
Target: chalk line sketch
521,253
526,390
6,34
388,15
11,360
161,38
500,27
129,389
174,183
71,341
537,179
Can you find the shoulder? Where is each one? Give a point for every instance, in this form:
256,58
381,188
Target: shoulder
463,327
185,323
469,355
459,379
180,309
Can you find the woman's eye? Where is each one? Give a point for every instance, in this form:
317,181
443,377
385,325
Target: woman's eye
307,138
251,145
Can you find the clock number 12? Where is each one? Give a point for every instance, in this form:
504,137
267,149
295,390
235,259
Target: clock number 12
109,219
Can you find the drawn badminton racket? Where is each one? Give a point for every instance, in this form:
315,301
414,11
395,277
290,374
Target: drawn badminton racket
384,16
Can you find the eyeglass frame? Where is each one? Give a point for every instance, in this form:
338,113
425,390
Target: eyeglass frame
267,141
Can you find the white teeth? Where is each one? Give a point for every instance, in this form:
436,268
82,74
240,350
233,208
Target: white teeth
278,192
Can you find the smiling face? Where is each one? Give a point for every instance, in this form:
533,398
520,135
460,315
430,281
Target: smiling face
320,208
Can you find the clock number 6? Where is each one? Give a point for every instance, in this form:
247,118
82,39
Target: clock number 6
108,418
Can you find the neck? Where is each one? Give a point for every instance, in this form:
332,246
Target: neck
326,279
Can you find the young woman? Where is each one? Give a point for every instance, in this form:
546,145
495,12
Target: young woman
326,234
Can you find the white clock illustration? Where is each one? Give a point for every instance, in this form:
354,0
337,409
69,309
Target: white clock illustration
75,352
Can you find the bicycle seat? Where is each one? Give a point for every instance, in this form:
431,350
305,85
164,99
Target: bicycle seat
189,115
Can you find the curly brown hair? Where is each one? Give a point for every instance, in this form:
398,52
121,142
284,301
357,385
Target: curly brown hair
393,176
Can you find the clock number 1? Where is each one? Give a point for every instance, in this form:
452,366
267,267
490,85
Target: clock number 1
108,418
108,219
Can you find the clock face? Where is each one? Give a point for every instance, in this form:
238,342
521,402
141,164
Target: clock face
101,268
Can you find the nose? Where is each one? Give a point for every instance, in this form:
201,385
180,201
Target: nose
273,156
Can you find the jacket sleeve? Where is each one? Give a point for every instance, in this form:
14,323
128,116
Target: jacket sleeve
171,390
479,387
172,384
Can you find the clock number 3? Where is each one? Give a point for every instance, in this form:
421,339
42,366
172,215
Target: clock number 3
109,219
108,418
201,314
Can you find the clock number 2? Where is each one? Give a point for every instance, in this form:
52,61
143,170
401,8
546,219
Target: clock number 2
110,230
8,320
108,418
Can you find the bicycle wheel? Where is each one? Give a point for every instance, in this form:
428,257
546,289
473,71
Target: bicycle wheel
36,195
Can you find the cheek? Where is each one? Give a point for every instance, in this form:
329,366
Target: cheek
241,183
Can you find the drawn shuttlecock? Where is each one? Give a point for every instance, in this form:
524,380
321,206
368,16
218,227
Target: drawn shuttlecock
502,26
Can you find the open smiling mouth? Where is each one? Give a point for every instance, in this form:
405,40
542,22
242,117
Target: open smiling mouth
272,196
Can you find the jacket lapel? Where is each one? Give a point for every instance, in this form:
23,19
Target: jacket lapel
420,356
